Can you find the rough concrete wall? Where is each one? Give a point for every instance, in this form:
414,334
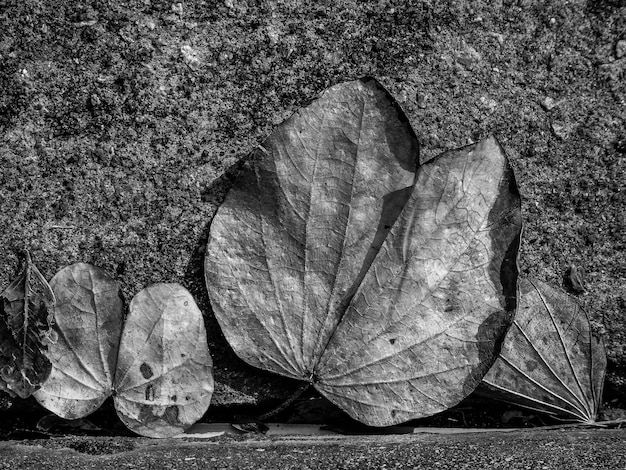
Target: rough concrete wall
119,122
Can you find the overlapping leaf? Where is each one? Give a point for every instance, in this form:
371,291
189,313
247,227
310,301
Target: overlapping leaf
88,323
158,369
298,284
550,360
423,329
27,305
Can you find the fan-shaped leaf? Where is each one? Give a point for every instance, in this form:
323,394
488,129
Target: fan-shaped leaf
27,305
164,376
289,261
88,324
550,360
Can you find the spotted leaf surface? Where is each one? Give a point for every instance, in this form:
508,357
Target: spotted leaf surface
164,376
155,363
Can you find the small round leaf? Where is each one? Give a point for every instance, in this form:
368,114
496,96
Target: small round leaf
164,377
83,347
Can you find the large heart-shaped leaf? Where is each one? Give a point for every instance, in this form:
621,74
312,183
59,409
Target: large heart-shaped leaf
26,312
158,370
550,360
300,288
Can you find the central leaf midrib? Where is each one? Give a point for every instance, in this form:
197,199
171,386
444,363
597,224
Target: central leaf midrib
318,355
305,306
117,383
279,303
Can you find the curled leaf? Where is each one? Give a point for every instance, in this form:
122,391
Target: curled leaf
575,278
550,361
88,324
164,376
329,262
27,305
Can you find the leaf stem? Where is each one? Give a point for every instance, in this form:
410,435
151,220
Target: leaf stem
284,405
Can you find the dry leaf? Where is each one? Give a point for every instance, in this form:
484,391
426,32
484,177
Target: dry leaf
27,305
88,325
164,376
299,228
297,235
158,369
550,360
424,327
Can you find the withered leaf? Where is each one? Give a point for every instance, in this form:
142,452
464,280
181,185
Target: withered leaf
550,361
423,328
164,375
299,287
27,305
88,325
158,368
296,232
575,278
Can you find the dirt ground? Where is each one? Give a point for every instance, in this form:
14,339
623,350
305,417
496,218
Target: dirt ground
120,120
574,450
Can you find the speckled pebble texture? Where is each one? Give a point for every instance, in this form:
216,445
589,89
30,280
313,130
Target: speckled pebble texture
121,124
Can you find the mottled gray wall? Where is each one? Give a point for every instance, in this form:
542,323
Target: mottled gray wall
118,121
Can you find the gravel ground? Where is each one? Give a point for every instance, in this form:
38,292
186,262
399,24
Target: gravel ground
120,123
574,450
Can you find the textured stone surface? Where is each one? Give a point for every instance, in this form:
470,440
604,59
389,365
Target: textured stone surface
120,123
